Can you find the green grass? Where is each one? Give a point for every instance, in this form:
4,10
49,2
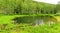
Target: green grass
42,29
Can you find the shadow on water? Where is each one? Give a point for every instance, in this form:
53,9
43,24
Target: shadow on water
35,20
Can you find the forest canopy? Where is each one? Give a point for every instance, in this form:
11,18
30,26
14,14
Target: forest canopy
26,7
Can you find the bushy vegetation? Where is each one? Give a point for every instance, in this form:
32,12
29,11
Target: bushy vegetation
31,29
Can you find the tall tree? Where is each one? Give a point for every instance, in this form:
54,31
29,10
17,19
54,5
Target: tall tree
58,8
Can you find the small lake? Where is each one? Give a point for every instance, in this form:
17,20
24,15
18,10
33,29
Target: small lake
35,20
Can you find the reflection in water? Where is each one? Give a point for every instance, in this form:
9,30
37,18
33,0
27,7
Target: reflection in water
39,22
35,20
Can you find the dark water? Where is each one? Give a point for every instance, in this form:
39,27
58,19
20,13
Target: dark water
35,20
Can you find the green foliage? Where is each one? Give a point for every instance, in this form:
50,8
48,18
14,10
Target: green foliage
25,7
42,29
58,8
32,29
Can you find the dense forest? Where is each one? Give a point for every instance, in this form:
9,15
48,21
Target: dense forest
27,7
